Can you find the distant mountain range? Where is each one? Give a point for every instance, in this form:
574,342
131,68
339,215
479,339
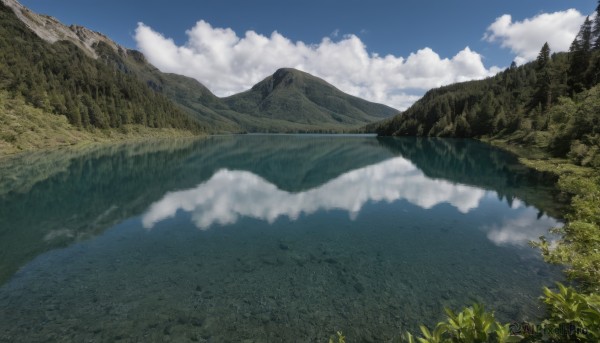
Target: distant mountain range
96,83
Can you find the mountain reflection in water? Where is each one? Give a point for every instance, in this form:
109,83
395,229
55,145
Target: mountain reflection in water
299,236
228,194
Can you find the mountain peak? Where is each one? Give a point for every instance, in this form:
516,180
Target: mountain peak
51,30
287,78
293,73
286,71
284,77
296,96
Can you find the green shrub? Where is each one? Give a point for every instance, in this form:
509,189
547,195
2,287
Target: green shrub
572,316
471,325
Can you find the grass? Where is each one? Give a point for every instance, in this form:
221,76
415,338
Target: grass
25,128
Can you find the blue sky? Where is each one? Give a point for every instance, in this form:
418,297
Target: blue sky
398,28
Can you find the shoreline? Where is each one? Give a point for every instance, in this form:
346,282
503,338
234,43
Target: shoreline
85,139
577,250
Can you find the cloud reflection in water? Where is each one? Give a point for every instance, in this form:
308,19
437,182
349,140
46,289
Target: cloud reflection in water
521,230
228,195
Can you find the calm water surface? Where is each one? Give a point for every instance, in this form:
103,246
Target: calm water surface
266,238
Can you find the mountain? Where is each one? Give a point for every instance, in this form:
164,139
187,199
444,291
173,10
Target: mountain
302,103
63,78
49,68
287,101
51,30
191,96
309,102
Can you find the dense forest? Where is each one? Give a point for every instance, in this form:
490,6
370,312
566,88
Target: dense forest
552,103
61,79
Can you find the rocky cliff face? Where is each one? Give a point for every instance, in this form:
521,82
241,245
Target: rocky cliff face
51,30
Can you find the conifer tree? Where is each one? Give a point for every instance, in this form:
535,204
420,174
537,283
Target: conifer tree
596,29
585,35
580,57
543,94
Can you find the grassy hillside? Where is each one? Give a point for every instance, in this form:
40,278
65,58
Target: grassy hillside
24,127
307,101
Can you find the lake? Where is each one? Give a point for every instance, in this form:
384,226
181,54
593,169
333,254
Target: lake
266,238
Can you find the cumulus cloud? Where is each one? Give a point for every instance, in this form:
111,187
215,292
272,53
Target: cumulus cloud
525,38
227,63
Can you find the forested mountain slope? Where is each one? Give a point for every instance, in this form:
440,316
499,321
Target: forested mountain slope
62,79
190,95
552,103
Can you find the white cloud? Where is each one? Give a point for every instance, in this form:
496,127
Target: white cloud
229,195
227,63
525,38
